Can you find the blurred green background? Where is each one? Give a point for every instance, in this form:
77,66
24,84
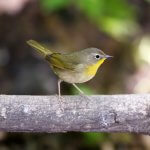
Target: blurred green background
119,27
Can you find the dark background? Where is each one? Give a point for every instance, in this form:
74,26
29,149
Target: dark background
119,27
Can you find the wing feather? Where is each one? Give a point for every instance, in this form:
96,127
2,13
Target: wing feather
60,61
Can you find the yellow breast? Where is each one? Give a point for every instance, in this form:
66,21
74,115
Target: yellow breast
91,70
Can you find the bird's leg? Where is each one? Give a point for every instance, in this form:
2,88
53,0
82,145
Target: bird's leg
59,94
82,93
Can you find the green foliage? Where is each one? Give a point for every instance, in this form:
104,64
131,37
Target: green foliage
115,17
94,138
53,5
102,8
92,8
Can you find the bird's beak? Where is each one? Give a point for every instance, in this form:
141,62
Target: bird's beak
108,56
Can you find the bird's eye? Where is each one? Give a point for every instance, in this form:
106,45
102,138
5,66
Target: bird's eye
97,56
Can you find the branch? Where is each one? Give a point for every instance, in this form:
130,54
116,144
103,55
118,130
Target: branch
112,113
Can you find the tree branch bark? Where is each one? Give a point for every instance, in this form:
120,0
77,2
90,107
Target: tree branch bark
99,113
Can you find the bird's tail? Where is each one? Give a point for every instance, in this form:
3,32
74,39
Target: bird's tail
40,48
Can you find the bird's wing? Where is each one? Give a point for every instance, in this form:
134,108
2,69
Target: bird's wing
61,61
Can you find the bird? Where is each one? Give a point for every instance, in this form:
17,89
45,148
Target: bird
72,67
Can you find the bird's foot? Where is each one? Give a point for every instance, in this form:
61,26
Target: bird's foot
61,103
84,96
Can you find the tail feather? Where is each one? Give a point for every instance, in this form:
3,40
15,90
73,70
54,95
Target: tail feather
41,49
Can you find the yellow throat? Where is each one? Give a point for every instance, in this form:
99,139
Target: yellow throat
91,70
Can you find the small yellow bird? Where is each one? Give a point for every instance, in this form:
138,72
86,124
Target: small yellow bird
74,67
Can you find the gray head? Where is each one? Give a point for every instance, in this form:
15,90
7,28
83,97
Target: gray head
92,55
